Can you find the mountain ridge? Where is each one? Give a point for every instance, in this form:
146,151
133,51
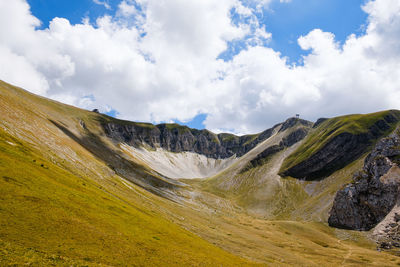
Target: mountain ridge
177,138
71,195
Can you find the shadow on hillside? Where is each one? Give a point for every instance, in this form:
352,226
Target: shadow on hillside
115,161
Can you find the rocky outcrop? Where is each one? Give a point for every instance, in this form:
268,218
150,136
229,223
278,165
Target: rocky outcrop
387,232
294,137
291,122
374,192
340,151
177,138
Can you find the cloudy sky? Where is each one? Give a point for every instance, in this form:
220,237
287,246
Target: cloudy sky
227,65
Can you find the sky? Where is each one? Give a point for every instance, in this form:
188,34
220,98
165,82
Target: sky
236,66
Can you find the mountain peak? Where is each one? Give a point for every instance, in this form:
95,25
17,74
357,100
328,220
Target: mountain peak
293,121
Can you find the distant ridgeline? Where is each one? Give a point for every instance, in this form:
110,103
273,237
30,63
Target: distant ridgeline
178,138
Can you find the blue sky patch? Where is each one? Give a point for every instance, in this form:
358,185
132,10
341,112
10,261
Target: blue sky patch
196,122
287,22
112,113
73,10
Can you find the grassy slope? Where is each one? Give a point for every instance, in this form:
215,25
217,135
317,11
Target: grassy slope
320,194
54,213
326,131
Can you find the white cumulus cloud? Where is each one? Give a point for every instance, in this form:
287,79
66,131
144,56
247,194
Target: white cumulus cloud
159,60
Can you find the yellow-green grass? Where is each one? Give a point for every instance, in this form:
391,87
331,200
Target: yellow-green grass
227,137
285,243
316,206
50,216
329,129
108,119
67,211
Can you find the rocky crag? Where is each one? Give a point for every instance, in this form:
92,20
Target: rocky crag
288,141
177,138
374,192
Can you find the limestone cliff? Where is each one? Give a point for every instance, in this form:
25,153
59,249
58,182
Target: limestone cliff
177,138
374,192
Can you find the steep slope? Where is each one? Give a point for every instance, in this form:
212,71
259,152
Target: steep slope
58,201
52,216
41,122
374,191
336,142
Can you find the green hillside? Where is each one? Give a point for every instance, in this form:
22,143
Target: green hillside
52,214
352,124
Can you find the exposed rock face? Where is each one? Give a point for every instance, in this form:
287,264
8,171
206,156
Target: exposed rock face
340,151
177,138
319,121
292,138
374,192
